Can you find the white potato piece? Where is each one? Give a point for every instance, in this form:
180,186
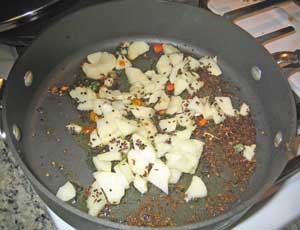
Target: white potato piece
179,68
175,105
122,63
174,176
96,200
159,176
163,66
136,49
140,183
113,185
182,162
94,57
66,192
249,152
142,112
119,145
125,126
124,168
86,105
82,94
139,160
186,133
197,189
106,93
163,102
185,119
149,127
110,156
73,128
95,139
196,105
194,86
168,125
244,109
162,144
102,165
109,82
180,84
176,58
170,49
107,130
106,62
135,75
218,116
226,106
193,63
211,64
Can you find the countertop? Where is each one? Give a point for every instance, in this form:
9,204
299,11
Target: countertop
20,207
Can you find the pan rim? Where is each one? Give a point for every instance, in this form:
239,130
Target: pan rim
240,208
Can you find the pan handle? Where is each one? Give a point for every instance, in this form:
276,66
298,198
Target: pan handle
288,60
2,133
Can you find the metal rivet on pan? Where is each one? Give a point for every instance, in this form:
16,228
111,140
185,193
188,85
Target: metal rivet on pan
278,139
28,78
256,73
16,132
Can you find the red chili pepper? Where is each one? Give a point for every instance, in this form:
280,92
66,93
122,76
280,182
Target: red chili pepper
158,48
170,87
88,130
202,122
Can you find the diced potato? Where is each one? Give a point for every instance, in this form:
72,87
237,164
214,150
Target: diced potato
122,62
109,82
86,105
82,94
244,110
124,168
208,111
96,200
169,49
179,68
185,119
196,105
149,127
66,192
119,145
125,126
139,160
168,125
194,86
174,176
162,143
136,49
249,152
193,63
106,62
101,104
135,75
225,104
73,128
218,116
106,93
102,165
159,176
186,133
110,156
175,105
181,162
197,189
163,66
113,185
176,58
107,130
163,102
95,139
94,57
211,65
142,112
140,183
181,84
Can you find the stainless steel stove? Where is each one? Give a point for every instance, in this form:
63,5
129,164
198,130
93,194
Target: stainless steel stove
275,23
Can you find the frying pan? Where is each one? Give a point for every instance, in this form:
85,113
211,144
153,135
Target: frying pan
34,122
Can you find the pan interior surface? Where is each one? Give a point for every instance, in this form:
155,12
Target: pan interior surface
51,155
55,156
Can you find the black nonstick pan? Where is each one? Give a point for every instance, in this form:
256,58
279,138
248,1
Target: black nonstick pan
34,121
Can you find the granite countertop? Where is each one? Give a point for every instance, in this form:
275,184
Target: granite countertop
20,207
